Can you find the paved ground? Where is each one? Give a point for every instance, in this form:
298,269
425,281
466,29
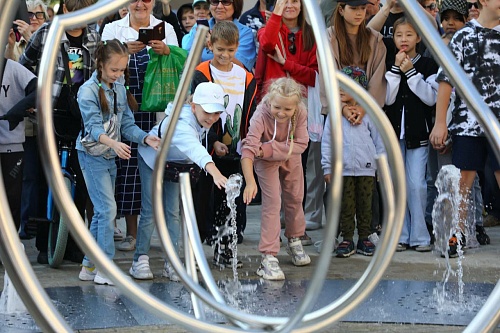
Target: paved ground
481,265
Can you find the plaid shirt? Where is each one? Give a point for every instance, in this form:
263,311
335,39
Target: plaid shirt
33,54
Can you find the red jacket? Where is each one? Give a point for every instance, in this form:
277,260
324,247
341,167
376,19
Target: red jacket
302,66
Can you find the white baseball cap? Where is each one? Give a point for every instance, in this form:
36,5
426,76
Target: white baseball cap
210,96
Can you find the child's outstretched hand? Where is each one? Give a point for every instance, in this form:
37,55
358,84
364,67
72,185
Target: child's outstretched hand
219,180
250,192
153,141
122,150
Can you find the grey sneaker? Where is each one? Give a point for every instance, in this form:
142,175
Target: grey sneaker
296,251
118,235
269,268
169,272
128,244
140,269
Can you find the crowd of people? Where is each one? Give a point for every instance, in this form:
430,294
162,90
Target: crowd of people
257,107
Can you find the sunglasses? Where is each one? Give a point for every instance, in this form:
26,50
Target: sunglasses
432,6
225,3
291,47
38,15
145,1
472,4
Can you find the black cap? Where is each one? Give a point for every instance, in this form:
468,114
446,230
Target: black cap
354,3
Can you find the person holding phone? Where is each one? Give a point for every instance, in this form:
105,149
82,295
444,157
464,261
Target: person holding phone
227,10
128,185
37,14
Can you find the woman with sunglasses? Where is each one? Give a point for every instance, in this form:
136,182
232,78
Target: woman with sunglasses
126,30
473,7
227,10
37,13
287,47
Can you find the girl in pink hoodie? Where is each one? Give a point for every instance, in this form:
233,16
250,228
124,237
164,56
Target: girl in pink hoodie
275,141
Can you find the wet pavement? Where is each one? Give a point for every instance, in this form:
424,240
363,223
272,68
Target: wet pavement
402,302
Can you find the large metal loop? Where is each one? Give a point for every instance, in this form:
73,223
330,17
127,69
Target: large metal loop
34,297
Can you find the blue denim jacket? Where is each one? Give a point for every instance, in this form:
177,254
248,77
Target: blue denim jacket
94,119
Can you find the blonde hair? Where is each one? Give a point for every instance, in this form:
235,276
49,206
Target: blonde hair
286,87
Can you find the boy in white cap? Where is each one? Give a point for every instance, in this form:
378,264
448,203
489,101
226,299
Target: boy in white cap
186,154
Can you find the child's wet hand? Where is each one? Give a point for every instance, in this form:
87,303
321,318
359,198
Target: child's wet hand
249,193
122,150
220,181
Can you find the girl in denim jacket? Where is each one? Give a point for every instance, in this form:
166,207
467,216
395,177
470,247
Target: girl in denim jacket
99,99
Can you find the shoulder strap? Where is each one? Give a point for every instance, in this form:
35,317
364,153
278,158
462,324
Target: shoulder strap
159,127
66,65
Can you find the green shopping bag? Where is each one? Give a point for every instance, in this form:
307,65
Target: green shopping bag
162,78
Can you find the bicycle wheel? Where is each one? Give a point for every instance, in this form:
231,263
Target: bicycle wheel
58,234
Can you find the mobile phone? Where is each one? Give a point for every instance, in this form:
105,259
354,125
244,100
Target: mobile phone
21,14
270,5
203,22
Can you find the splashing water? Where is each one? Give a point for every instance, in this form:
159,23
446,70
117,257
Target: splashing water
233,187
446,223
10,302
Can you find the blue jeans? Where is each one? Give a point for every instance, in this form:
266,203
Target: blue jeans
100,176
171,202
414,230
31,176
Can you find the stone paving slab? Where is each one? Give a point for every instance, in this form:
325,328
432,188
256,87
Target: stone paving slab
480,266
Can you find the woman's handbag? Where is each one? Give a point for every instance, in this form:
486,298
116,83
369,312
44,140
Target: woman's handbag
162,79
112,129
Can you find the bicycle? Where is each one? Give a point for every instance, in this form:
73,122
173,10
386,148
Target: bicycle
58,229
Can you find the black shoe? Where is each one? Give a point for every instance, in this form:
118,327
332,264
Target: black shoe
365,247
240,238
223,257
345,249
42,258
481,235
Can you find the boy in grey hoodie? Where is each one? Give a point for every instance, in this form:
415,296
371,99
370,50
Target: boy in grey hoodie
361,144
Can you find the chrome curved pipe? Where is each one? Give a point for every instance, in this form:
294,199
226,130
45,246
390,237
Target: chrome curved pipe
13,256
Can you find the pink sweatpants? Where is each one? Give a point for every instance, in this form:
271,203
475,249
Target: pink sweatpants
280,180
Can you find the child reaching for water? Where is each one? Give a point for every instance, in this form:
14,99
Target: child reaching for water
102,98
186,154
275,141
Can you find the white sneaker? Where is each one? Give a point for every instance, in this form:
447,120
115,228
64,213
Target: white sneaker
269,268
100,278
118,235
374,239
169,272
128,244
296,251
87,273
140,269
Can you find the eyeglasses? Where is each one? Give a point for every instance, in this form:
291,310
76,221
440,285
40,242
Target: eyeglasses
472,4
38,15
225,3
291,47
432,6
145,1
